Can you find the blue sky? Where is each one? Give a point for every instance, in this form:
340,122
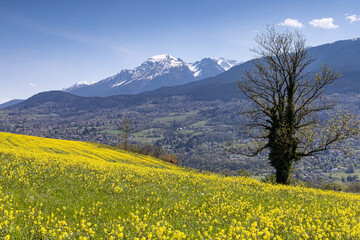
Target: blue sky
48,45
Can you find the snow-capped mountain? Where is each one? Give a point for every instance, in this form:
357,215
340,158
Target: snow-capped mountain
158,71
226,64
79,85
208,67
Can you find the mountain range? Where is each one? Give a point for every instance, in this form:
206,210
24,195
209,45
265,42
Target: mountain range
342,55
157,71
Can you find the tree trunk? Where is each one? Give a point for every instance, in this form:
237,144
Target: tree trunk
281,159
283,172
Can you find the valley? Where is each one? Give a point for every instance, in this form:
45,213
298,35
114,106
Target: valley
196,131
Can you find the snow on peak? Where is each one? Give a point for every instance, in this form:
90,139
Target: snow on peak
166,59
159,65
84,83
226,64
194,68
118,84
79,85
163,62
223,64
153,67
161,57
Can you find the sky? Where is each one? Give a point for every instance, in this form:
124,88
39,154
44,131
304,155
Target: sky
50,45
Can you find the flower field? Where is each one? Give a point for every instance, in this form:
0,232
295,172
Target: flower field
55,189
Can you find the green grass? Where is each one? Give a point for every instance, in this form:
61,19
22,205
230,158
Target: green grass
199,124
170,119
113,131
54,189
341,173
145,136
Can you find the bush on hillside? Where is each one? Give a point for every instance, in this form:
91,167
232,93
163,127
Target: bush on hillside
353,187
243,173
270,178
333,186
152,150
171,158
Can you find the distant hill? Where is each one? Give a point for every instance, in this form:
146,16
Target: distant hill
158,71
343,56
10,103
60,101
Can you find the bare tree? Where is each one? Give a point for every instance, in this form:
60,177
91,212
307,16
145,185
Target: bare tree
286,101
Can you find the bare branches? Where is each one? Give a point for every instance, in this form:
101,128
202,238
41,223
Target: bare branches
332,134
286,101
279,72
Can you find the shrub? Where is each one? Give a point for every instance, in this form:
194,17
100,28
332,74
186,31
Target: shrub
270,178
353,187
243,173
171,158
332,186
350,169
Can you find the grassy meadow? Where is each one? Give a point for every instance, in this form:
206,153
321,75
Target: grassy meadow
55,189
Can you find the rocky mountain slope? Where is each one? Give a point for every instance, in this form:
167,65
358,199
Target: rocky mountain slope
158,71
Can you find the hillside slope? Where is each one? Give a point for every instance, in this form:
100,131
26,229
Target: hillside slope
55,189
10,103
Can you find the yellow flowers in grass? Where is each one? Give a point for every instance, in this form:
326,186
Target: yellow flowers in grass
53,189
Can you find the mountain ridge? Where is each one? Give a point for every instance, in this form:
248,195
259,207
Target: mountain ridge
157,71
342,55
10,103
